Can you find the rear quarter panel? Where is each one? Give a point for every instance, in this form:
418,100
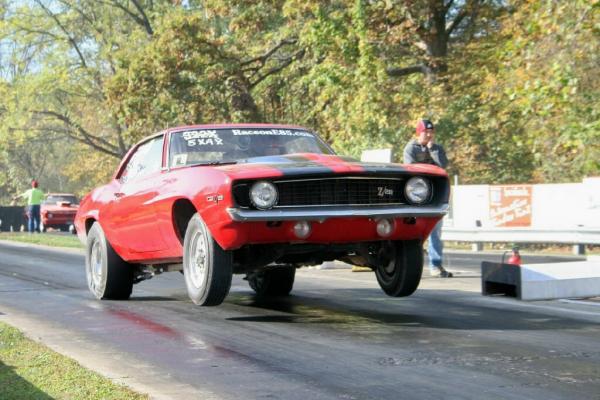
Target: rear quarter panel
90,209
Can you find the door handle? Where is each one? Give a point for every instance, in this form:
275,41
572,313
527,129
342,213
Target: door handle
119,194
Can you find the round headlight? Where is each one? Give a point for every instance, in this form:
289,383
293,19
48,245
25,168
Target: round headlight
418,190
263,195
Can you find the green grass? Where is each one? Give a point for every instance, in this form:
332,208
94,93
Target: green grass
29,370
47,239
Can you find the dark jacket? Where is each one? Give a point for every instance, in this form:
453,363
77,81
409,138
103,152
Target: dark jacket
417,153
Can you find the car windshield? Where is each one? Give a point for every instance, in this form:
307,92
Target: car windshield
53,199
213,146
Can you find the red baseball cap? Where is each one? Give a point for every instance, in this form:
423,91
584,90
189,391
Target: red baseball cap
423,125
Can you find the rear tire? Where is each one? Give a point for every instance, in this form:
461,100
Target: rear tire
400,275
108,275
207,268
273,282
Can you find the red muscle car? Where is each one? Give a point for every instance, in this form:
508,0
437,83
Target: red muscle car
259,200
58,211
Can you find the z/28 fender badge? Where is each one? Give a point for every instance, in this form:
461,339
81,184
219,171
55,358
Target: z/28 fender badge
216,198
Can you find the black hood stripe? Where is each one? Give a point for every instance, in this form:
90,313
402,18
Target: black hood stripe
293,164
298,165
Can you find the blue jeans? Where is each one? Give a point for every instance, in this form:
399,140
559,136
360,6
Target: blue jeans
33,213
436,247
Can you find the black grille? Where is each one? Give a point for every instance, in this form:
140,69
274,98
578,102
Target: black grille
340,191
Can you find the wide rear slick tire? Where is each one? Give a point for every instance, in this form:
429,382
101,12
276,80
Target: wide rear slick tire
273,282
207,268
400,276
108,276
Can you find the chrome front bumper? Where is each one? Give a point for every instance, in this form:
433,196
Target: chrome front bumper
323,213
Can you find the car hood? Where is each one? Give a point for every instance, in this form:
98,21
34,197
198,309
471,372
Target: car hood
310,164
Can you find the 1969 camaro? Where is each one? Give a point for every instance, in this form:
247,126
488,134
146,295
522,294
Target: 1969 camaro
260,200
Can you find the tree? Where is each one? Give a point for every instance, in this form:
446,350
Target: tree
194,72
510,84
421,32
63,52
549,87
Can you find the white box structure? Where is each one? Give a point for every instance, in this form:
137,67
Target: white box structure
579,279
560,280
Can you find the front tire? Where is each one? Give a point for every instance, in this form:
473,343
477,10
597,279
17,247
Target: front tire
273,282
108,275
207,268
400,271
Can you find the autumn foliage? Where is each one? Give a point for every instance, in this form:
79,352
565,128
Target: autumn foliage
513,86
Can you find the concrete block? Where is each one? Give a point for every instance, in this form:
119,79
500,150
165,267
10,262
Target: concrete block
578,249
477,246
542,281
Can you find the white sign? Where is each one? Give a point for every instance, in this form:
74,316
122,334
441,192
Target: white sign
377,155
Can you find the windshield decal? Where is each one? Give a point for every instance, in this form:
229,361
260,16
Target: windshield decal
179,159
202,138
270,132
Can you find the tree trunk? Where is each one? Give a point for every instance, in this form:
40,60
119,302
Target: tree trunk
437,41
243,106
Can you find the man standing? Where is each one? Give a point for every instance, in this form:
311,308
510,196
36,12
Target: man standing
423,149
34,198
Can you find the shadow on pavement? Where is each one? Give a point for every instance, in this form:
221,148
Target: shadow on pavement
14,387
154,298
439,309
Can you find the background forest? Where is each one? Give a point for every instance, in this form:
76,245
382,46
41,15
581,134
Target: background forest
513,85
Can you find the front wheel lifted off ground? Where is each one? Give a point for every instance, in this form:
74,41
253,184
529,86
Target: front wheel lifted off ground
400,268
108,276
273,282
207,268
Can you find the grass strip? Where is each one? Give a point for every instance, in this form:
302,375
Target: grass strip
29,370
47,239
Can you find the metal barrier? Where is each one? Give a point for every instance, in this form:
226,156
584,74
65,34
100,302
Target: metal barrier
12,218
577,237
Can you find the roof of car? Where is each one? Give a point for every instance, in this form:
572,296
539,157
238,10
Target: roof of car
61,194
225,126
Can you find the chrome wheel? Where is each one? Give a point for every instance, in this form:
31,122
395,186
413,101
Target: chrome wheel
207,268
198,260
108,275
95,272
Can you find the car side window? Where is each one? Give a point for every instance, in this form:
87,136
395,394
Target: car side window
146,160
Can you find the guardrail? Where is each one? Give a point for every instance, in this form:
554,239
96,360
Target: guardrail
577,237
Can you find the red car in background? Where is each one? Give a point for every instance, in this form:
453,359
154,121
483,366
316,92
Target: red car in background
258,200
58,211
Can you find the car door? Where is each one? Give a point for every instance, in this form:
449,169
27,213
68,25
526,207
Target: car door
133,209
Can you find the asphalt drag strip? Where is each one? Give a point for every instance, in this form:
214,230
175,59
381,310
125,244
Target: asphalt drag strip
337,337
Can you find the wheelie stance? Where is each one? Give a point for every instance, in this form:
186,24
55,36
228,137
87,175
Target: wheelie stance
258,200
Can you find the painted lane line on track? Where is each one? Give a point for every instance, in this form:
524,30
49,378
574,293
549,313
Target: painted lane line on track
539,306
584,302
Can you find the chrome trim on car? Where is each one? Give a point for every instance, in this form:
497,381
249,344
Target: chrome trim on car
330,205
311,214
340,178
